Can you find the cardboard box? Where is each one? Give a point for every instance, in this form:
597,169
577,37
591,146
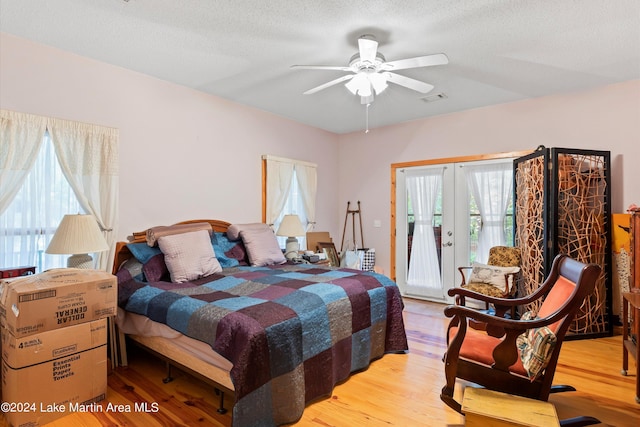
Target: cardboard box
48,375
55,299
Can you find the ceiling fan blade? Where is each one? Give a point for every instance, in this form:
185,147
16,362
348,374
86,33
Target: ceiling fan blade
408,82
321,67
328,84
418,61
368,47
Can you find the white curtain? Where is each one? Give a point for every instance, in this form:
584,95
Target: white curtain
308,185
279,176
32,218
491,186
424,269
88,156
21,137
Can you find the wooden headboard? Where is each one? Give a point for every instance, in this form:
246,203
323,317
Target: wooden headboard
123,253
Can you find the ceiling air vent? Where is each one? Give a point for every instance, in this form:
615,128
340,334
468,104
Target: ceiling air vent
436,97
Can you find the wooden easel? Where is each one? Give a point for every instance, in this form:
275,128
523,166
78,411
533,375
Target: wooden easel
353,213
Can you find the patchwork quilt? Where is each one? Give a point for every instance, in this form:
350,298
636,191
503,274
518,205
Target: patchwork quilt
291,331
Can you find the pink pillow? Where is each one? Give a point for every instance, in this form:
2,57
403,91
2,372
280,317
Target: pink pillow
261,245
189,256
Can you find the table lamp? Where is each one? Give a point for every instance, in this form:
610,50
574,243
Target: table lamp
78,235
291,227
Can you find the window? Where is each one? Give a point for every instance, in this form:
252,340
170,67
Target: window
86,154
289,188
31,219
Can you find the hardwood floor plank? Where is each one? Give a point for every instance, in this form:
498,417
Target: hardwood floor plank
397,390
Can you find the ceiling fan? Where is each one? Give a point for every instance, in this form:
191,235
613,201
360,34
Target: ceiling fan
370,73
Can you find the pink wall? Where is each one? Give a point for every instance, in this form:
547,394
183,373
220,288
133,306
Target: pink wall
605,118
183,154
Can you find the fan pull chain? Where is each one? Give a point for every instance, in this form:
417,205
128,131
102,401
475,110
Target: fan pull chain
366,121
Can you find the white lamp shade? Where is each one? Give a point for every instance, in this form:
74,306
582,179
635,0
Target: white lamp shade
77,234
291,226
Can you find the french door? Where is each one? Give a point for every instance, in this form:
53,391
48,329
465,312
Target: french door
448,215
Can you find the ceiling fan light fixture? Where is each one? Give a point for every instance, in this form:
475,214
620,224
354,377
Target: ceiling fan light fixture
359,85
378,82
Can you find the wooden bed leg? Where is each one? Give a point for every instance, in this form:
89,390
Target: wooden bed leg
122,347
168,378
221,409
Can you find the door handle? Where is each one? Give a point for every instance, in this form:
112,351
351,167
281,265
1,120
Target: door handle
447,244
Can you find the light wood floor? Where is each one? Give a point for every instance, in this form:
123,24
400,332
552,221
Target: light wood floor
399,389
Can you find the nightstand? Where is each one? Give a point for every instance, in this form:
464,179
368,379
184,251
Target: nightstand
6,273
630,334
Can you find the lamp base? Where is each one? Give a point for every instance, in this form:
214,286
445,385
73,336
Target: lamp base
80,261
291,249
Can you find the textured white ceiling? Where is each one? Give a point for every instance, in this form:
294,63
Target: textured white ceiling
499,51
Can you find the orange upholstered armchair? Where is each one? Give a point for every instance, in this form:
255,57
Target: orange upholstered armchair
517,356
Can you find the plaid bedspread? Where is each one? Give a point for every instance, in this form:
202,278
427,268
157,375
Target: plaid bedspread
291,331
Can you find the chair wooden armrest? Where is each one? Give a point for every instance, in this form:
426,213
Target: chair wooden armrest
502,305
464,277
464,313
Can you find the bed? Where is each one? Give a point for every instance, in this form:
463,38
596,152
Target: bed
274,336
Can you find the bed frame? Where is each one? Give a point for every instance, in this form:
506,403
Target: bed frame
164,348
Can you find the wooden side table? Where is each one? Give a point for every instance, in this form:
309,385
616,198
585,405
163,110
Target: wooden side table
630,337
484,408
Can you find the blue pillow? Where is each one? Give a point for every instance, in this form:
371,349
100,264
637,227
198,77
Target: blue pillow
143,252
228,253
152,259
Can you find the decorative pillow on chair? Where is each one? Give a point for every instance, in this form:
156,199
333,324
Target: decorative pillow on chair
152,260
189,256
491,274
536,346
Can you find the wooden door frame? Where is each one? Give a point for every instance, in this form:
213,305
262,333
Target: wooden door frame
430,162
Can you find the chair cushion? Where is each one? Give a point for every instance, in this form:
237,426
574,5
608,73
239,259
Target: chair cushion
485,289
536,346
478,347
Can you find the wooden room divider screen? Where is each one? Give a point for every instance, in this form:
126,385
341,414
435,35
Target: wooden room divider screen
562,201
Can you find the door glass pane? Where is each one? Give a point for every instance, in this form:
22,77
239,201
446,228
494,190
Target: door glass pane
475,222
437,227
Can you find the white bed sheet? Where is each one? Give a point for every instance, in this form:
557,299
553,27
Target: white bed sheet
135,324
